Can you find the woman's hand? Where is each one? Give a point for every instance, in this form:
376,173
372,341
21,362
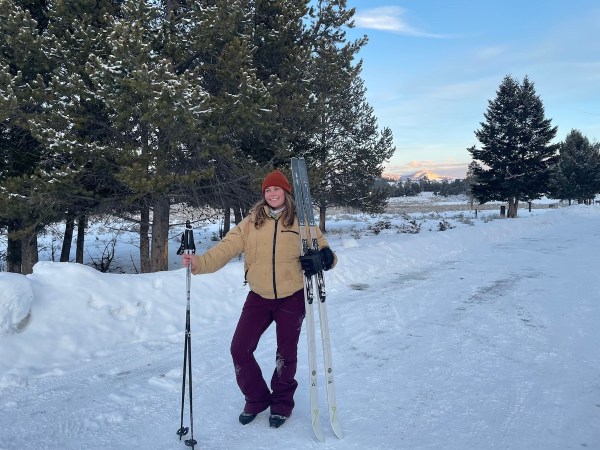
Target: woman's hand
188,260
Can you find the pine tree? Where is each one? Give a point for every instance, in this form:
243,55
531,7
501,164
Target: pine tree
471,179
73,124
24,69
516,156
182,95
66,178
576,174
243,113
345,148
156,116
281,60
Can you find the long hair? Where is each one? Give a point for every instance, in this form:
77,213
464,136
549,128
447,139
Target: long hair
288,213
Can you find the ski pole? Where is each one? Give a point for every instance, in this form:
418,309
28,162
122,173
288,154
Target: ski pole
189,248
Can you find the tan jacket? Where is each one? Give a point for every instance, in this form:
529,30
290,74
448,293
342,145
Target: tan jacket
271,256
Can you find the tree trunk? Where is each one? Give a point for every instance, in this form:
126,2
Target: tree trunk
13,250
513,205
81,223
238,215
160,234
65,252
226,220
29,253
322,210
145,265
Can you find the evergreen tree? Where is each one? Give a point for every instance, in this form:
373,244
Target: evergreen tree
73,125
64,181
471,180
411,188
398,189
346,150
156,115
183,96
577,171
24,69
516,156
281,60
243,113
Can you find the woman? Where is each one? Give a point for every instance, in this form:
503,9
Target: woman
269,238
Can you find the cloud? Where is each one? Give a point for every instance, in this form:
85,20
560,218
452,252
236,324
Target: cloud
389,18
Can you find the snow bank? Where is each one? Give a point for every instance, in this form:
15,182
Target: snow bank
16,297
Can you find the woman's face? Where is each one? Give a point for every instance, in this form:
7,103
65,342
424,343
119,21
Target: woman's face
275,196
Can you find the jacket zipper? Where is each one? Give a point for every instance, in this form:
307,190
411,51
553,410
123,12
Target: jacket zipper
273,257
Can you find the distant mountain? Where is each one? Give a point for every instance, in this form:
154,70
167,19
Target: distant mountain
431,176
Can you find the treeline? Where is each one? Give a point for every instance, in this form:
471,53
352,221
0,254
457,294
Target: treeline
407,188
129,107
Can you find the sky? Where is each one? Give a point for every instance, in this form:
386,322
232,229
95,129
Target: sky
483,336
431,66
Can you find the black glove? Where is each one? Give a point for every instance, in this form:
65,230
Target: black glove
314,261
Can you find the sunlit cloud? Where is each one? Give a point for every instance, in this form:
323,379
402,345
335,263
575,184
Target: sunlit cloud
389,18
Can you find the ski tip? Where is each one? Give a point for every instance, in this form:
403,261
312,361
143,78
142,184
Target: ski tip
319,435
337,430
316,426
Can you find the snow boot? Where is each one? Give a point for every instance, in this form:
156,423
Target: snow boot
246,418
276,420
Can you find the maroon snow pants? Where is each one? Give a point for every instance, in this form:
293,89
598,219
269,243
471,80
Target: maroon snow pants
257,314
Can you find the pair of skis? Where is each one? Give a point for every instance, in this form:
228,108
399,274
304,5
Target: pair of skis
308,241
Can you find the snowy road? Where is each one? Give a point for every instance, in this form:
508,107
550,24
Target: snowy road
481,337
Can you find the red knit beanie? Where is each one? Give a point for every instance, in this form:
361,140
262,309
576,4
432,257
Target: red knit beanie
276,178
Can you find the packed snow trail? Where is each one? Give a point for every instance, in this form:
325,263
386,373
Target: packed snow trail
492,348
486,340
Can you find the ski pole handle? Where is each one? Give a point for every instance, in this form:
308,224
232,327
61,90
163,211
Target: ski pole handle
187,246
187,243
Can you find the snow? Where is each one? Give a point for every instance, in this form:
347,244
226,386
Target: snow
15,302
483,336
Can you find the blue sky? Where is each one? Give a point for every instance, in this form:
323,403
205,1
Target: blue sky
430,68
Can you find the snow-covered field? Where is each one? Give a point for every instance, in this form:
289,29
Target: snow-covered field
481,336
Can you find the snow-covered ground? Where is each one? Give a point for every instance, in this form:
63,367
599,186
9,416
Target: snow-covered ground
481,336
